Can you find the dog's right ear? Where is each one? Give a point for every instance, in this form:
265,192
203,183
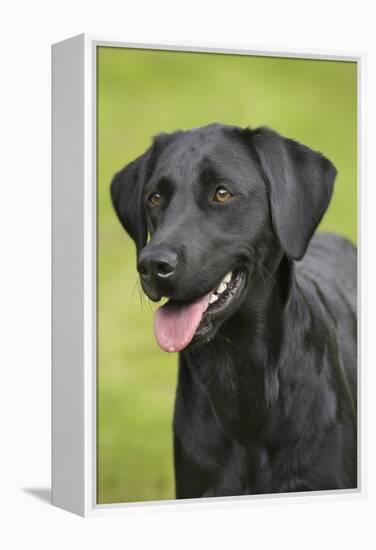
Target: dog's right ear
126,195
127,187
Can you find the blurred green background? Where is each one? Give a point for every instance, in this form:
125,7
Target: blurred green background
142,93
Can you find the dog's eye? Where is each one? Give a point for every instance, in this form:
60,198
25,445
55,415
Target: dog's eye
222,195
155,199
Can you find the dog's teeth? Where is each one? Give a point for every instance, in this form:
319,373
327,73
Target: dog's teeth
227,279
213,298
222,287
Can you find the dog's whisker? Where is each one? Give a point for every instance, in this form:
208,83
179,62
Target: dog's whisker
135,287
143,298
269,275
256,258
141,294
263,280
228,340
149,305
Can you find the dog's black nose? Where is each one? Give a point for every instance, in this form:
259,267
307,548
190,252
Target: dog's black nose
157,263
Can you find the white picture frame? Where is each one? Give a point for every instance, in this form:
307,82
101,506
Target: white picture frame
74,277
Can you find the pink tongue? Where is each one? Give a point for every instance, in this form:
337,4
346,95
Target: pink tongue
175,323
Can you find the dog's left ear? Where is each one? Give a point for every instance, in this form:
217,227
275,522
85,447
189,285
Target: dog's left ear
300,186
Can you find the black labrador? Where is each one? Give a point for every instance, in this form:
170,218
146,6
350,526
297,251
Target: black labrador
262,312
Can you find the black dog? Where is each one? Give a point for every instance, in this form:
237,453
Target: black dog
266,396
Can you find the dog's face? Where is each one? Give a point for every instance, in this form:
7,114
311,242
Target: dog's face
219,204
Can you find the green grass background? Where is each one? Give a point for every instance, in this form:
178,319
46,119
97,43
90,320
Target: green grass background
142,93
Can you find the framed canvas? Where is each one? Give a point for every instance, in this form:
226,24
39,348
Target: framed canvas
202,174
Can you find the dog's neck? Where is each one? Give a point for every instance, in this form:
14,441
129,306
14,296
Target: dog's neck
249,383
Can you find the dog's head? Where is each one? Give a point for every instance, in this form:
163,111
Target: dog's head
208,208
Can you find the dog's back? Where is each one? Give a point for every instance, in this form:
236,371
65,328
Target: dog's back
331,265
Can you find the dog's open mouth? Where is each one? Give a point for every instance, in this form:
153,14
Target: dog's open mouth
178,324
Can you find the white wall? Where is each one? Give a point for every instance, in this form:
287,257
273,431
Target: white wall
27,30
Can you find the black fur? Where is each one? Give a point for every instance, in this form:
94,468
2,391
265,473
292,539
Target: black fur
268,404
